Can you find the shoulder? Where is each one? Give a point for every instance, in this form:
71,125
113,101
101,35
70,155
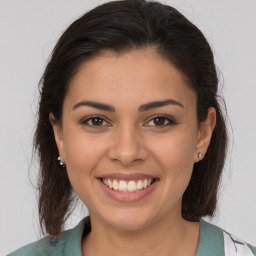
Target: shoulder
67,243
45,246
213,238
236,245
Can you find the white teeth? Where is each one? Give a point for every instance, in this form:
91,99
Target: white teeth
127,186
123,185
144,183
132,186
115,185
139,184
110,184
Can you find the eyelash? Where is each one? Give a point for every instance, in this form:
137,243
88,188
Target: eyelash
171,121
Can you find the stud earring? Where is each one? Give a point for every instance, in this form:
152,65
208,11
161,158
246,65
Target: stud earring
200,156
60,162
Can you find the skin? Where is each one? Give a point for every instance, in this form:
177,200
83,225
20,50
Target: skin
129,141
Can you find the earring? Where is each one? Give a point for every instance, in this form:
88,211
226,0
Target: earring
200,156
60,159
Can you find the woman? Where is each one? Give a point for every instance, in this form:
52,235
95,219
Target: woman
129,109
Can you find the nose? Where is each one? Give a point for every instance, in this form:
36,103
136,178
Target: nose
128,146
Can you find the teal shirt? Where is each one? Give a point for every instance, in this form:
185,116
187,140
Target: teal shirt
211,242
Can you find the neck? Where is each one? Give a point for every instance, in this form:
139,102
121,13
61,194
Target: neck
165,237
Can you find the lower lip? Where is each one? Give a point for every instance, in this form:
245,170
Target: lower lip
128,196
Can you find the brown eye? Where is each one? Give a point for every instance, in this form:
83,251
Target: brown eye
161,121
95,121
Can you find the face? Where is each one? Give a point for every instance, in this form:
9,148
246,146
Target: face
129,137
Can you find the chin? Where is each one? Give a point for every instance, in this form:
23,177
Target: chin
128,220
129,224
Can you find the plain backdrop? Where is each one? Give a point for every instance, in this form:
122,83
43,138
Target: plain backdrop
28,31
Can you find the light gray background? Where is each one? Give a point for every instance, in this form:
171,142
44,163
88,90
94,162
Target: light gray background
28,32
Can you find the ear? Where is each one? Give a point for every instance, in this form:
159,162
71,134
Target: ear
205,133
57,134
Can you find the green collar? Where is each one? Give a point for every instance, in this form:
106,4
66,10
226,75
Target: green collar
73,245
210,240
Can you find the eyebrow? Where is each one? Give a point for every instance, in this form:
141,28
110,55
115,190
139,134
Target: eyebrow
144,107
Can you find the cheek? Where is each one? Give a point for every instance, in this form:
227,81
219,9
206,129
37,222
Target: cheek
177,148
82,154
175,154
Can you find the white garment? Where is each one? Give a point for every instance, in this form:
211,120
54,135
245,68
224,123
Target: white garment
235,247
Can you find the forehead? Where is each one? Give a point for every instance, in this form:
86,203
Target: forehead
136,76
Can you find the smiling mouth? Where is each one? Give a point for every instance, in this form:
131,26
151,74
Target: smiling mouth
130,186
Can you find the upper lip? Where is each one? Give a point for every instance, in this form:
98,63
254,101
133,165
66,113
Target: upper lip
127,177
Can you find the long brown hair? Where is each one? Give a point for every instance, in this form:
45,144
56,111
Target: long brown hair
121,26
